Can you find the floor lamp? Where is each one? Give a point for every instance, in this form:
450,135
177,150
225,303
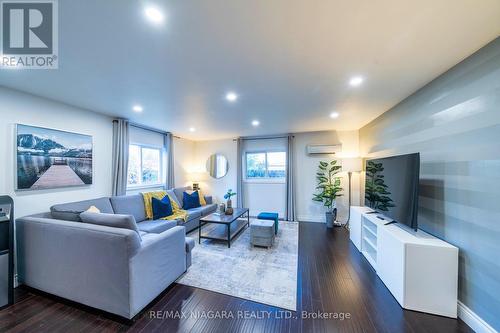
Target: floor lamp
351,165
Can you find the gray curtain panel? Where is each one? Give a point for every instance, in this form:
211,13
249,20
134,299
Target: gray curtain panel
120,156
168,142
290,180
239,173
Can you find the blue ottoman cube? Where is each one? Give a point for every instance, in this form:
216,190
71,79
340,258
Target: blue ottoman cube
271,217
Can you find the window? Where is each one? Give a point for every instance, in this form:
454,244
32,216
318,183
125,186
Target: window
270,165
144,166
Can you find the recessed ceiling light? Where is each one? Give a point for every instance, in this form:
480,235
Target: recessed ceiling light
231,96
154,14
356,81
137,108
255,123
334,115
192,129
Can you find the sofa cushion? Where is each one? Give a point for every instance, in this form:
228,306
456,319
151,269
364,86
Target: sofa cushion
130,205
161,208
208,209
173,196
208,199
71,211
156,226
179,192
111,220
205,210
190,200
193,214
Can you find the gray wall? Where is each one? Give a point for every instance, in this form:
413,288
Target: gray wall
454,122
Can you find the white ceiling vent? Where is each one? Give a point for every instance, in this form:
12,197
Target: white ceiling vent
323,149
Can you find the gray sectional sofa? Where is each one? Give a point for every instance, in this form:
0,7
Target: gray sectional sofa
113,269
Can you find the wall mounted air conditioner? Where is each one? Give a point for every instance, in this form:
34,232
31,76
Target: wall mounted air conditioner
323,149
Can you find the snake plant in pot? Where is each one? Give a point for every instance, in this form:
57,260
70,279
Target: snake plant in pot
329,189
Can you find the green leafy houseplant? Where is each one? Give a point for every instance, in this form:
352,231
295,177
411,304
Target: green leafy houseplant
329,188
376,191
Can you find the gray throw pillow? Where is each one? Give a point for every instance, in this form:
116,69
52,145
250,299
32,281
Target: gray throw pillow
65,215
172,196
111,220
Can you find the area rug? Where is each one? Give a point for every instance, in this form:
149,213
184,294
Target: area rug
262,275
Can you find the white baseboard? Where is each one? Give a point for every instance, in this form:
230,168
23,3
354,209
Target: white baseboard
473,320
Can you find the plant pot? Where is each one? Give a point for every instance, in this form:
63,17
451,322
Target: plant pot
331,217
229,207
329,220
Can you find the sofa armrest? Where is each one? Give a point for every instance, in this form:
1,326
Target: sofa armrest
82,262
155,242
190,243
208,199
159,262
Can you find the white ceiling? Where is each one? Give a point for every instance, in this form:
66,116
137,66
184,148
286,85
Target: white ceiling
290,60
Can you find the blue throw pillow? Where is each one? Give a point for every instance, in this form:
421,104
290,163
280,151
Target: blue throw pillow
190,200
162,208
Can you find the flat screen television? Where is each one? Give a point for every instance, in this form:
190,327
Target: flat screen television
391,188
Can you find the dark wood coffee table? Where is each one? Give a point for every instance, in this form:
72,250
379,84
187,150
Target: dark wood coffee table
228,226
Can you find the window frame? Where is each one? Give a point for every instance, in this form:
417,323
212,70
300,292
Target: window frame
266,179
160,174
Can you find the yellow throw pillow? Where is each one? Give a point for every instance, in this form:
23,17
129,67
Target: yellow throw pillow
203,202
93,209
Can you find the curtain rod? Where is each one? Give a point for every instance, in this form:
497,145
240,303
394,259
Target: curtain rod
268,137
136,125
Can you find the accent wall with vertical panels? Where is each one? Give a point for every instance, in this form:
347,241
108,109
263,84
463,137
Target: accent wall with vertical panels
454,122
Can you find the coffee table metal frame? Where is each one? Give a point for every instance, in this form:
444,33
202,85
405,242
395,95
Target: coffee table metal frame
227,220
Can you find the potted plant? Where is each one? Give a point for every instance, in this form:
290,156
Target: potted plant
229,203
329,189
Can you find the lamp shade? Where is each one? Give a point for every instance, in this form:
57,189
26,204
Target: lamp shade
352,164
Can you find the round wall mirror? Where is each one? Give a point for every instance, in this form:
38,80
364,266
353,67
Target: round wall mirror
217,166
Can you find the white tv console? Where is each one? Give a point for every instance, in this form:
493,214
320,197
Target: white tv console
420,270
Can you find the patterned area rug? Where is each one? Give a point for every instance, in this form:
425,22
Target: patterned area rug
263,275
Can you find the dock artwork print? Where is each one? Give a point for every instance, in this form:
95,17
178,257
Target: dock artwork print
48,158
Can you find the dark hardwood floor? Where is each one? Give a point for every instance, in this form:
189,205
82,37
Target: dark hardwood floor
333,277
